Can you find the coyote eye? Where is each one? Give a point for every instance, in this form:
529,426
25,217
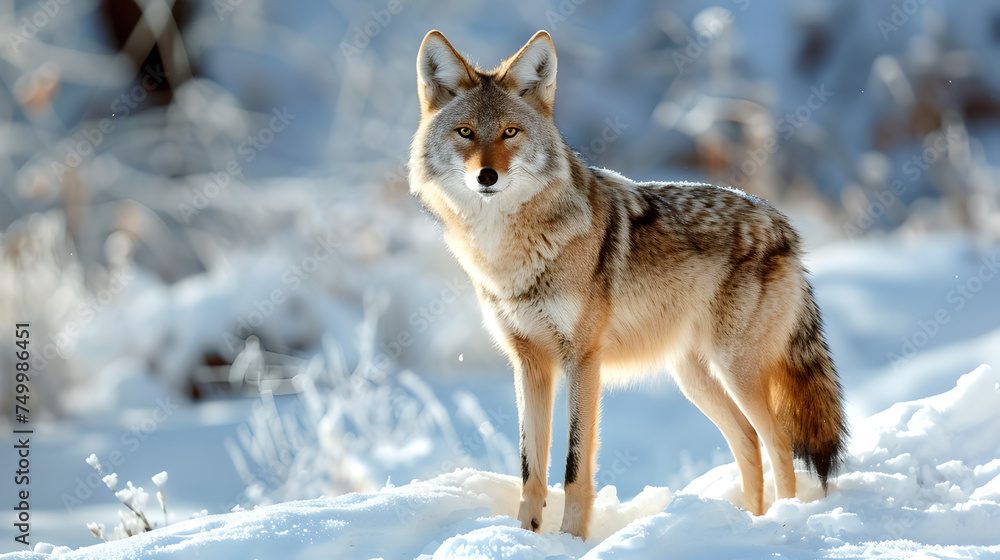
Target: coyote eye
510,132
464,131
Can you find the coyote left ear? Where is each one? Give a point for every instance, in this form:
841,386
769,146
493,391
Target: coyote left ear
441,72
533,72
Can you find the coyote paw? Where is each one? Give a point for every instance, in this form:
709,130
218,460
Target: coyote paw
575,521
530,514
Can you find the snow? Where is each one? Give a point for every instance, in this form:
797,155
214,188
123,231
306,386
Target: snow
922,480
160,479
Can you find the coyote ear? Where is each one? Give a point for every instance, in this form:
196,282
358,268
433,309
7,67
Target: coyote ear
441,72
533,72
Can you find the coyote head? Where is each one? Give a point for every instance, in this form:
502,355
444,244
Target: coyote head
485,136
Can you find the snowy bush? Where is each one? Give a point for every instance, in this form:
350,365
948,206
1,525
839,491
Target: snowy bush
133,518
349,429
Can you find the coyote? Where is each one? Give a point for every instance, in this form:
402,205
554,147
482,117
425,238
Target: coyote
582,272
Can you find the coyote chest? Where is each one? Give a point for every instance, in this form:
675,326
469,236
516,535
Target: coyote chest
510,271
510,253
552,316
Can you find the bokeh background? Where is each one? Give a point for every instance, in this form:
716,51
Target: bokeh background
205,218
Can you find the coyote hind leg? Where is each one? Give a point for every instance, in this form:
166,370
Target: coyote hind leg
747,382
702,389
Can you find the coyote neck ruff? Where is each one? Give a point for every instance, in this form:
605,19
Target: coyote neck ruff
584,273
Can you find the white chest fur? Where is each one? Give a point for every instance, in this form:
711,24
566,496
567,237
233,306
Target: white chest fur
542,317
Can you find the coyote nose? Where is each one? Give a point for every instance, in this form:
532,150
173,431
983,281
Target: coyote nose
487,177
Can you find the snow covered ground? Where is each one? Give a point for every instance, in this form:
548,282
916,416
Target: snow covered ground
922,481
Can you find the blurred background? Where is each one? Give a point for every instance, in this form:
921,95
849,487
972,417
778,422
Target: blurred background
204,216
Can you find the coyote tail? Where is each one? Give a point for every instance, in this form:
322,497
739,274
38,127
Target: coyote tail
808,397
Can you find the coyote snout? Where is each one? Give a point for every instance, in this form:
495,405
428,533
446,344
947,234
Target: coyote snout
487,155
485,181
487,177
586,274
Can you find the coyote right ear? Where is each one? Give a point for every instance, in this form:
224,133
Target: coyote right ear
441,72
533,72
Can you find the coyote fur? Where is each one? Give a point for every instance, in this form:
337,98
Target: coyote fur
583,273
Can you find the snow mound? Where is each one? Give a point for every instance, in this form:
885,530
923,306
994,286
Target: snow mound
922,480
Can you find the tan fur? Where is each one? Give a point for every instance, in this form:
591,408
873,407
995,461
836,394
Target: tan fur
583,272
495,153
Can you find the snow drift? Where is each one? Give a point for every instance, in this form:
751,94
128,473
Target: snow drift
922,480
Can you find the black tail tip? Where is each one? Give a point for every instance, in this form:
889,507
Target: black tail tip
824,461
